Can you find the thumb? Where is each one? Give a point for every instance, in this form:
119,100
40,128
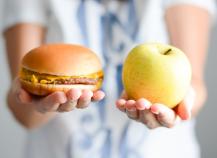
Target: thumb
23,96
20,94
185,107
51,102
183,111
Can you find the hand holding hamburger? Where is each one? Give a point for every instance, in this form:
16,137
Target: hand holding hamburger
59,77
60,67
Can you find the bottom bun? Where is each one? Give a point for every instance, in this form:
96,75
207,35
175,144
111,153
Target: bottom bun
45,89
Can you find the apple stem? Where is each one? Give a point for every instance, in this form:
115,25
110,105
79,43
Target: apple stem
167,51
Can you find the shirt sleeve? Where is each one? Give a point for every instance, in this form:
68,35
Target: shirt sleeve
24,11
209,5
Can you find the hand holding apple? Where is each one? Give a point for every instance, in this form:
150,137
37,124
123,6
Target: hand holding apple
156,79
156,115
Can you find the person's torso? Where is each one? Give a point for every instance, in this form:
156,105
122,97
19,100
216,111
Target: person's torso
111,29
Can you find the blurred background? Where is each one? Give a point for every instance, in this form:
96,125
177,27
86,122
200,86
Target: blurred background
12,136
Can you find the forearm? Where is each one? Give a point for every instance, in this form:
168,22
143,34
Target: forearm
19,40
188,27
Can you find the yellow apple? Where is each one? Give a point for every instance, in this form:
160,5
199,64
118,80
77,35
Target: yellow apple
158,72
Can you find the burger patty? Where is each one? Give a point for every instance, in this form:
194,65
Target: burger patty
77,81
35,77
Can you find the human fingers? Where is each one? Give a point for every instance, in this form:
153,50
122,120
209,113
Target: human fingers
184,108
120,104
142,104
51,102
148,118
85,98
23,96
98,95
19,93
72,99
131,110
165,115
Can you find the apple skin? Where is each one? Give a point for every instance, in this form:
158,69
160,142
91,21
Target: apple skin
158,72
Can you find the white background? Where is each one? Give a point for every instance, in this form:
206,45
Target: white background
12,136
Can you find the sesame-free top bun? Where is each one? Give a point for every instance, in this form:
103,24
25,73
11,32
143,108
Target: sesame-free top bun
62,59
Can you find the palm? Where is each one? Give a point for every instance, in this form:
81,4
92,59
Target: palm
155,115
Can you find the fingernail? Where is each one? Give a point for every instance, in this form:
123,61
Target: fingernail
121,103
155,111
75,97
144,104
122,106
140,106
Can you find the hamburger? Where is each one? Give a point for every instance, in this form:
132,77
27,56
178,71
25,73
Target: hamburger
60,67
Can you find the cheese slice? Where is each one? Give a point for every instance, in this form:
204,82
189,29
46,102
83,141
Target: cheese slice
35,77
